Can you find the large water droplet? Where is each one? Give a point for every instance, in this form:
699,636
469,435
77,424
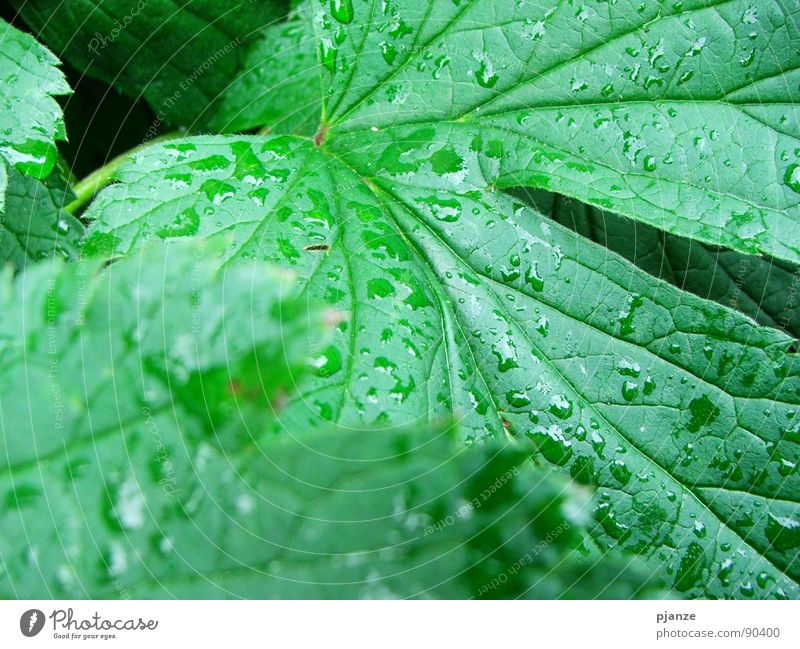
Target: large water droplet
342,10
792,177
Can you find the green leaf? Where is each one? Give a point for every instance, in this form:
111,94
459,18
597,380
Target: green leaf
98,362
180,57
278,86
30,118
134,463
470,303
760,287
682,115
35,225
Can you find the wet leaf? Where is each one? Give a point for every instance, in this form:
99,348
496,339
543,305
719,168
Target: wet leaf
135,462
470,304
682,115
278,86
758,286
35,225
30,118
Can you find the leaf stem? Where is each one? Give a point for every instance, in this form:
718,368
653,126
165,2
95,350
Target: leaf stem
86,189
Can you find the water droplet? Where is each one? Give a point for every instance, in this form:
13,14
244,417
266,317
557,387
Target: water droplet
620,471
35,158
699,529
626,315
439,65
608,519
342,10
628,368
389,52
552,444
747,60
533,278
560,406
217,191
380,287
629,390
518,399
792,177
703,412
186,224
783,532
724,572
485,73
329,362
542,325
691,568
598,444
328,54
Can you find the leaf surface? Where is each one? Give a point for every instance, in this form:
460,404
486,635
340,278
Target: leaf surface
760,287
35,224
278,86
470,303
30,118
150,475
681,115
179,56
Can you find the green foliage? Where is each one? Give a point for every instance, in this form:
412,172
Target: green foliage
395,132
179,56
636,107
278,85
31,120
33,224
474,305
152,451
753,284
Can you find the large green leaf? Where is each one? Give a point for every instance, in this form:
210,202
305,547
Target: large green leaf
134,463
108,378
179,55
30,118
684,413
278,86
682,114
761,287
